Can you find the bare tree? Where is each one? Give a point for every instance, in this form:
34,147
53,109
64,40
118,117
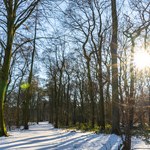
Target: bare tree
14,17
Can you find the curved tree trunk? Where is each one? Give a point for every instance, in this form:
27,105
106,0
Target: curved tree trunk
5,70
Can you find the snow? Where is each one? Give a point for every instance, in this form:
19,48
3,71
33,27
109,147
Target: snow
44,137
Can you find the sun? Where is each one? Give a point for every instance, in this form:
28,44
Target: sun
141,60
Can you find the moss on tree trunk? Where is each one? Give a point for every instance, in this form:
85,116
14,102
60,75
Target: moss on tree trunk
3,131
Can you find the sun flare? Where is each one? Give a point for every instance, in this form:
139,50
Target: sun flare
142,60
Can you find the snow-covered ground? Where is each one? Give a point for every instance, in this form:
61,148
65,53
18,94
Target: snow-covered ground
45,137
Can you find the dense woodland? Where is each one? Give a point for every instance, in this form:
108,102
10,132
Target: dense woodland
71,62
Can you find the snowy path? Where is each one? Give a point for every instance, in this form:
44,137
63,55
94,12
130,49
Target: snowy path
45,137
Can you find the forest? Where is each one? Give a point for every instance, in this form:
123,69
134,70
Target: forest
81,64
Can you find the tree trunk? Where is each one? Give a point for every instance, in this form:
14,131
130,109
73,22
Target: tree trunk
5,72
82,102
3,85
74,108
115,99
67,106
38,108
132,78
3,131
90,90
18,105
56,105
29,94
101,101
51,105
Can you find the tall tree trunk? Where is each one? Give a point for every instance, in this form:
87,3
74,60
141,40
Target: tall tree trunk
74,108
90,90
5,69
81,89
132,80
51,105
68,98
29,94
100,80
38,108
115,99
3,131
56,104
18,104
